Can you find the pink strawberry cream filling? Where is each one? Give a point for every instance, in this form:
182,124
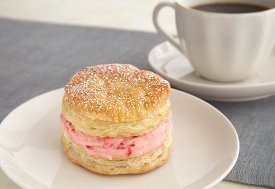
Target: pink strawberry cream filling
109,148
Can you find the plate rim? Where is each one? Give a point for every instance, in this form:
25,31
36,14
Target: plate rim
21,184
232,164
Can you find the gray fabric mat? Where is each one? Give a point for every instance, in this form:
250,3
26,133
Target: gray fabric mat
36,58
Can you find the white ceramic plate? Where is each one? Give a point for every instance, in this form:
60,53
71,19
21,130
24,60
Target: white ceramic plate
174,66
205,148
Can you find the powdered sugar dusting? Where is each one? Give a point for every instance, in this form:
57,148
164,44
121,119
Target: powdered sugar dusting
118,90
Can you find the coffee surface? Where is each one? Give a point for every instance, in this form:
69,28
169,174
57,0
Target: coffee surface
230,8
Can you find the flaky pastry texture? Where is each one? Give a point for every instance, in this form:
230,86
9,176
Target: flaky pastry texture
116,100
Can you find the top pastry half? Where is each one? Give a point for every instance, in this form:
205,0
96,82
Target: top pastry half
116,100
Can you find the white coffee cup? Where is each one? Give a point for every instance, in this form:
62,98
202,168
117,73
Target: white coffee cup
220,46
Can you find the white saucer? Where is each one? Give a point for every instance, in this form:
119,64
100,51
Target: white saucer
174,66
205,148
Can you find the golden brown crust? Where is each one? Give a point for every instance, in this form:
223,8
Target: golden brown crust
115,93
95,127
142,164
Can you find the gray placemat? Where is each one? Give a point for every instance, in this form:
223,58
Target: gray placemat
36,57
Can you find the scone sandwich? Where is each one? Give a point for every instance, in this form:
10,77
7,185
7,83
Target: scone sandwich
116,119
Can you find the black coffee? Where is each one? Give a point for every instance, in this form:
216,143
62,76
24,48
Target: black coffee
230,8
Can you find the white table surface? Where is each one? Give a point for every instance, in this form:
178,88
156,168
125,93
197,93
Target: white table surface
120,14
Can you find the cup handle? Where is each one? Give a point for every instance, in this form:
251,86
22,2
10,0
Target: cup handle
160,30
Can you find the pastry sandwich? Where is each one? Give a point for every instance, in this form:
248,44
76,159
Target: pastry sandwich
116,119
